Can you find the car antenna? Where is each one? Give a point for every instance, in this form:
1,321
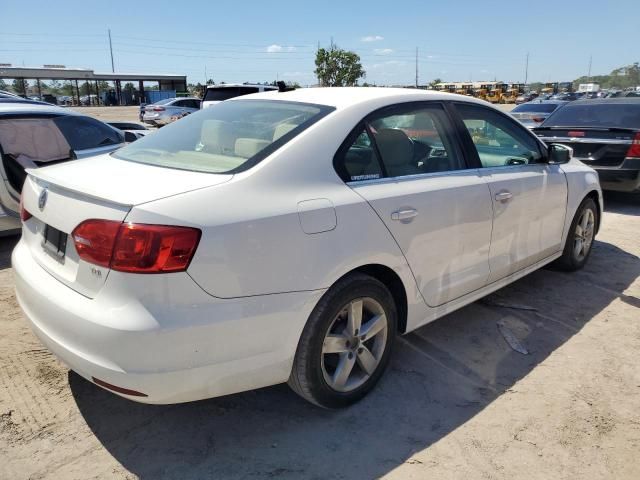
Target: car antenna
282,87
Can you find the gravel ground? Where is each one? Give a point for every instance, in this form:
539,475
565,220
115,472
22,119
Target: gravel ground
456,402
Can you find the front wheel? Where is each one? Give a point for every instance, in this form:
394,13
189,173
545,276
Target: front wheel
580,238
346,344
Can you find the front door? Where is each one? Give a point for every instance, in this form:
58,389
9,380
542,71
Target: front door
529,196
405,162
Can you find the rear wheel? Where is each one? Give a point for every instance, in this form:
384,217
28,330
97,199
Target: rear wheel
346,344
580,238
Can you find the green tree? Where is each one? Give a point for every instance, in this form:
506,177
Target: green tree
3,85
336,67
20,86
434,82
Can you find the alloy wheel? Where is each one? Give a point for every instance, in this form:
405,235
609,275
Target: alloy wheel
354,344
584,232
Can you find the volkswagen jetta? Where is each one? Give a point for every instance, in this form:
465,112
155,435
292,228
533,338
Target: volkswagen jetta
290,237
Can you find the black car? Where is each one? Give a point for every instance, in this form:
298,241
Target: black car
566,96
604,134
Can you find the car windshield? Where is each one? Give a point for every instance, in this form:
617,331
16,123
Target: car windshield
622,115
226,138
535,107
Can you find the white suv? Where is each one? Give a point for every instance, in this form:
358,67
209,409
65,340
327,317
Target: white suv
218,93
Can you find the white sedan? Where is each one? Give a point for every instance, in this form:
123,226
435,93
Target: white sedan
290,236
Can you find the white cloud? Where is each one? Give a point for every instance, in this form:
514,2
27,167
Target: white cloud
275,48
372,38
383,51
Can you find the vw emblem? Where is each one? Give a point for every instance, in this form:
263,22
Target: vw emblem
42,199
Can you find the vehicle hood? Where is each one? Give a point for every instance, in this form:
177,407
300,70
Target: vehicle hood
120,181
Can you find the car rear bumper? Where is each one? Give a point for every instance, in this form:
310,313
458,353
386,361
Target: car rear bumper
161,335
622,178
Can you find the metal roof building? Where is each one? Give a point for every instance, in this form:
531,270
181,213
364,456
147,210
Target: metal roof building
60,72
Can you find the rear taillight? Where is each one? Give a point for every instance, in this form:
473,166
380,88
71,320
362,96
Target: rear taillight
158,109
136,248
538,119
24,213
576,134
94,240
634,149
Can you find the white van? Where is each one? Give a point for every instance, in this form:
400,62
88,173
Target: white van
218,93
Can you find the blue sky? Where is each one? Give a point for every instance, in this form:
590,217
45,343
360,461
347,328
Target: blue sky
259,41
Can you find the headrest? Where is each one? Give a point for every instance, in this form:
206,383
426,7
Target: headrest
282,129
395,147
248,147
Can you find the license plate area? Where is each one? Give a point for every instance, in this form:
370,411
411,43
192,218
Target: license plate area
54,242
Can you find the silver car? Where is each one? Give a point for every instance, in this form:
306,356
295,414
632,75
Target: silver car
34,135
169,110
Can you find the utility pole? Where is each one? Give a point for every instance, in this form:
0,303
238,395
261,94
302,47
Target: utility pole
526,70
589,74
416,67
111,51
205,75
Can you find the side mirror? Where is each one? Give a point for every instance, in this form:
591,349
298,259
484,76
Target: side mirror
559,153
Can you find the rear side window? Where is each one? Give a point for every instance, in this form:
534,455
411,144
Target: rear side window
84,133
623,115
398,142
225,93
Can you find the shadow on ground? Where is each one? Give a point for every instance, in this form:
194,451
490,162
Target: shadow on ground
7,243
622,203
441,376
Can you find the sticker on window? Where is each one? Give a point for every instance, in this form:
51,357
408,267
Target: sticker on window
371,176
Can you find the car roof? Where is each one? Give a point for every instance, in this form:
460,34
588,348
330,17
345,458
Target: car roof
343,97
608,101
31,107
225,85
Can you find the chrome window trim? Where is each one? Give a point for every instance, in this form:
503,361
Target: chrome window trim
418,176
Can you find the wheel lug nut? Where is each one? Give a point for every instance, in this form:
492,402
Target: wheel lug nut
348,344
350,356
360,350
357,331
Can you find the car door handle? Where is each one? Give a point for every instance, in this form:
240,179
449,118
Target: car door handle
503,196
404,214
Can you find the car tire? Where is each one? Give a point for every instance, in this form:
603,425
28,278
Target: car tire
332,346
578,245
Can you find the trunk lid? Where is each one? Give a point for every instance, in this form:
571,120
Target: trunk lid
98,188
596,147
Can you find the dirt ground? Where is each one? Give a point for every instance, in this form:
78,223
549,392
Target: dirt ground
456,402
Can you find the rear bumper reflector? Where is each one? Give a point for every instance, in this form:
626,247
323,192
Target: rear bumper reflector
124,391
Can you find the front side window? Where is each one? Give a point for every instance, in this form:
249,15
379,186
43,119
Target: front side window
498,140
225,138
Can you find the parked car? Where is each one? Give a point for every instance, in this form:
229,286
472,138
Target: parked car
532,114
604,134
566,96
290,237
5,94
132,131
526,97
34,135
218,93
161,112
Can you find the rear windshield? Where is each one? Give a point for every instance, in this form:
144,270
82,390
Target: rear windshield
225,93
536,107
621,115
228,137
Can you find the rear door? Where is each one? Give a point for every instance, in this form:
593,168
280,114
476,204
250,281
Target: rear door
406,162
88,136
529,196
